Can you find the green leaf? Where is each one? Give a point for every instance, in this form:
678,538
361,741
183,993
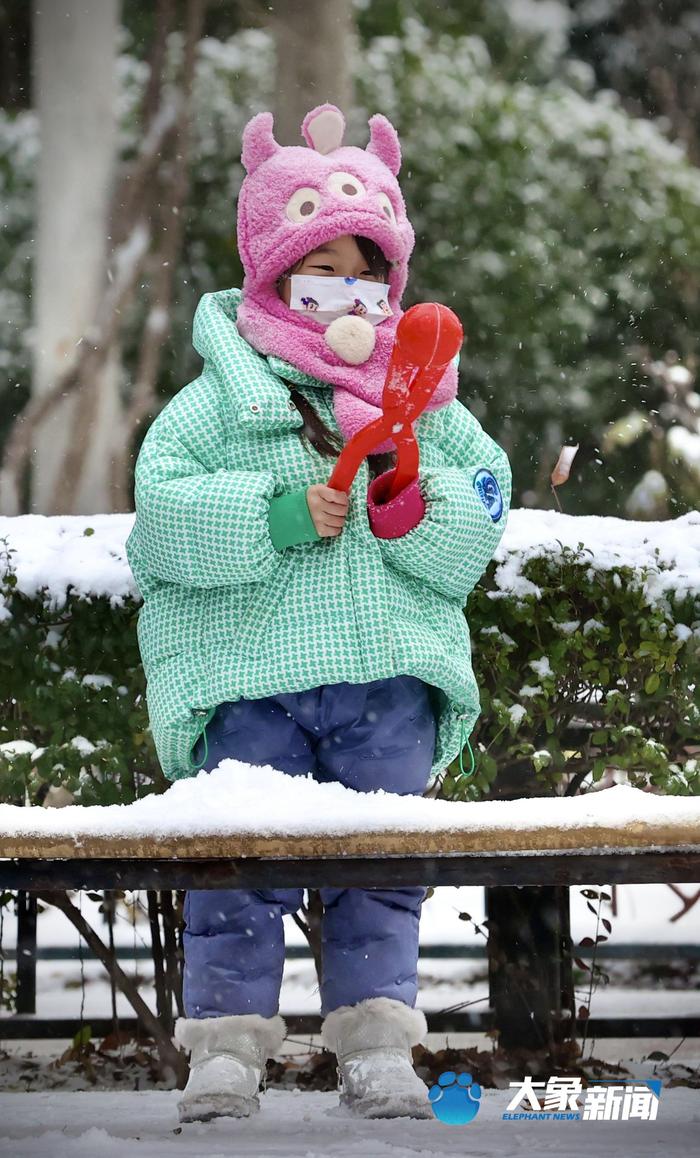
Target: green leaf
82,1037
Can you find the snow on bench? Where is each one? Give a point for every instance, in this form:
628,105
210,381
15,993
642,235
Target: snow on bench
241,810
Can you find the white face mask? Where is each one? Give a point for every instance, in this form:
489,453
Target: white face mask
327,298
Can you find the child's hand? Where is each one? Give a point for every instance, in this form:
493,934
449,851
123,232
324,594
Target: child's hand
327,508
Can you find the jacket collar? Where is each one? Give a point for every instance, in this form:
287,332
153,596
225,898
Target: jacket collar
258,396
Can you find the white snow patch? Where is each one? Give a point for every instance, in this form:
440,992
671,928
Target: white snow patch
238,798
685,445
54,555
527,690
307,1124
517,713
569,626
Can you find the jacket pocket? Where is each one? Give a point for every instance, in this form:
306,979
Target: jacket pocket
260,611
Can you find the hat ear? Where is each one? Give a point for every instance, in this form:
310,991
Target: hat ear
384,142
259,143
323,128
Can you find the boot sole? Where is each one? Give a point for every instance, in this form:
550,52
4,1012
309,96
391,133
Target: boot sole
381,1108
225,1106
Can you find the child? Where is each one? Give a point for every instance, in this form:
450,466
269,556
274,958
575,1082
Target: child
290,624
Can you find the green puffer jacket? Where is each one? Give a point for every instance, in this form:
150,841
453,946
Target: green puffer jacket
227,615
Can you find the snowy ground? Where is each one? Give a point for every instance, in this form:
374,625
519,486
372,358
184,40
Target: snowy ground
309,1125
67,1121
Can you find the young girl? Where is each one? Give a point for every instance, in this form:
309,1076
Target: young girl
290,624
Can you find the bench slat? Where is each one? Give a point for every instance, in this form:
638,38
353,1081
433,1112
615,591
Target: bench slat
637,835
521,869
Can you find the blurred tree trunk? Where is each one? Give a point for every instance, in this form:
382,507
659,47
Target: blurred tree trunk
74,78
15,21
105,234
315,46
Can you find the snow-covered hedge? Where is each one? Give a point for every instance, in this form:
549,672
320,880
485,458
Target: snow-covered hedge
585,638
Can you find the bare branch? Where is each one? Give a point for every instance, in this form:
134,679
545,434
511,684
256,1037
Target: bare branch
170,1056
143,398
158,118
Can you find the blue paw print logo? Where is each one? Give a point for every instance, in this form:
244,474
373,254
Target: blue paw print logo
455,1099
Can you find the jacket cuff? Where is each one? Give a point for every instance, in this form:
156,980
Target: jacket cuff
290,521
393,519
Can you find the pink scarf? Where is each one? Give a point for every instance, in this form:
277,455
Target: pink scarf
358,389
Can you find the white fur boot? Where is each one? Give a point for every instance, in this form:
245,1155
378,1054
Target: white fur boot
228,1056
372,1041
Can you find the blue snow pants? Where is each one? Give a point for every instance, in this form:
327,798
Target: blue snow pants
378,735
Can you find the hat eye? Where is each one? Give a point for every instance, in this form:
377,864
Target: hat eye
303,204
346,184
387,207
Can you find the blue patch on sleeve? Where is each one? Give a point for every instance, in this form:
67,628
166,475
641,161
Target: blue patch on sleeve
489,492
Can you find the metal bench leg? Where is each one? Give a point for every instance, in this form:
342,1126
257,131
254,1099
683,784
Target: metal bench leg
530,975
26,952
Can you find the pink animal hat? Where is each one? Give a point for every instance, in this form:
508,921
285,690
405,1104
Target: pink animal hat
294,199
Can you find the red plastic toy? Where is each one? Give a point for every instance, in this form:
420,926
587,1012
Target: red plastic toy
427,338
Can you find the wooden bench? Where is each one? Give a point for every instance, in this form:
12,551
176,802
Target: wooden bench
633,852
526,867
